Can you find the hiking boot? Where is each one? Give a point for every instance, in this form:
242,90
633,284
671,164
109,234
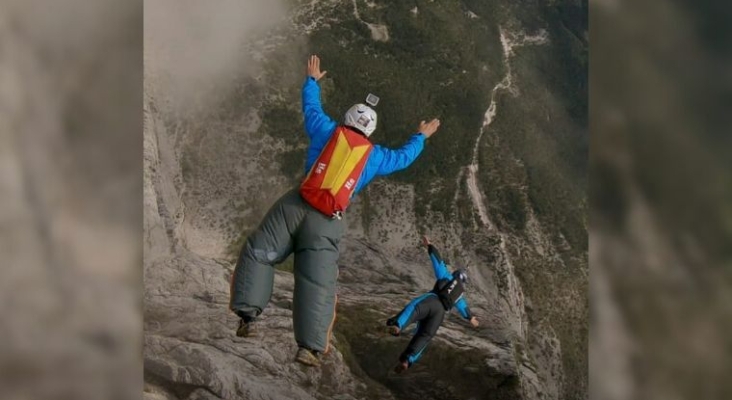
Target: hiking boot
307,357
246,329
401,367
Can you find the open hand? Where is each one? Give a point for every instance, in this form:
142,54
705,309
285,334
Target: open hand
429,128
425,240
313,69
474,322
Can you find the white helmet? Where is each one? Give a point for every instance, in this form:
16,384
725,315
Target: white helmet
361,117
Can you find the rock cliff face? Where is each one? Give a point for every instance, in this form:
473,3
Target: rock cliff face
499,188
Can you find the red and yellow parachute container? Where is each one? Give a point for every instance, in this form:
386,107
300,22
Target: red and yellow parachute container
329,185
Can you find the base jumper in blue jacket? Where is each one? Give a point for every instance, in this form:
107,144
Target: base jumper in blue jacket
293,225
429,309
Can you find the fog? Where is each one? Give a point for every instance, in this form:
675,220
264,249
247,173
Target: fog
194,50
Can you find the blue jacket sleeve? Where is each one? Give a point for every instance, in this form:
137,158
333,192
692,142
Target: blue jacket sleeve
395,160
463,309
318,125
438,265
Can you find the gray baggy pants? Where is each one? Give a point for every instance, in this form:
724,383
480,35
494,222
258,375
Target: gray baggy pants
292,225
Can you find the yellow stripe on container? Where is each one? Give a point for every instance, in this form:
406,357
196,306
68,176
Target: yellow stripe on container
342,163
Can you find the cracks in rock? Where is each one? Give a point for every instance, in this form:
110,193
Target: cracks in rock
509,42
181,390
511,291
185,341
379,32
163,211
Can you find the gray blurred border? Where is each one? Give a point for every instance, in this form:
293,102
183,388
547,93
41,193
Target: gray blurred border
70,199
661,200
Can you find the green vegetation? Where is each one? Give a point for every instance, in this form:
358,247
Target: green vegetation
441,64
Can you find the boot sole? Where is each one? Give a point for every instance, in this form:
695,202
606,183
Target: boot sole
309,361
244,332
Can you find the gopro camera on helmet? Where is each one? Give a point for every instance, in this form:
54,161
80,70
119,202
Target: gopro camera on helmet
372,100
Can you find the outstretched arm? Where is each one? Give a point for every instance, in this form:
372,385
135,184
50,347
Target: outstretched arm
395,160
438,265
464,310
318,125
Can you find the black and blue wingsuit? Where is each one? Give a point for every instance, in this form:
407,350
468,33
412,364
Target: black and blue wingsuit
429,309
